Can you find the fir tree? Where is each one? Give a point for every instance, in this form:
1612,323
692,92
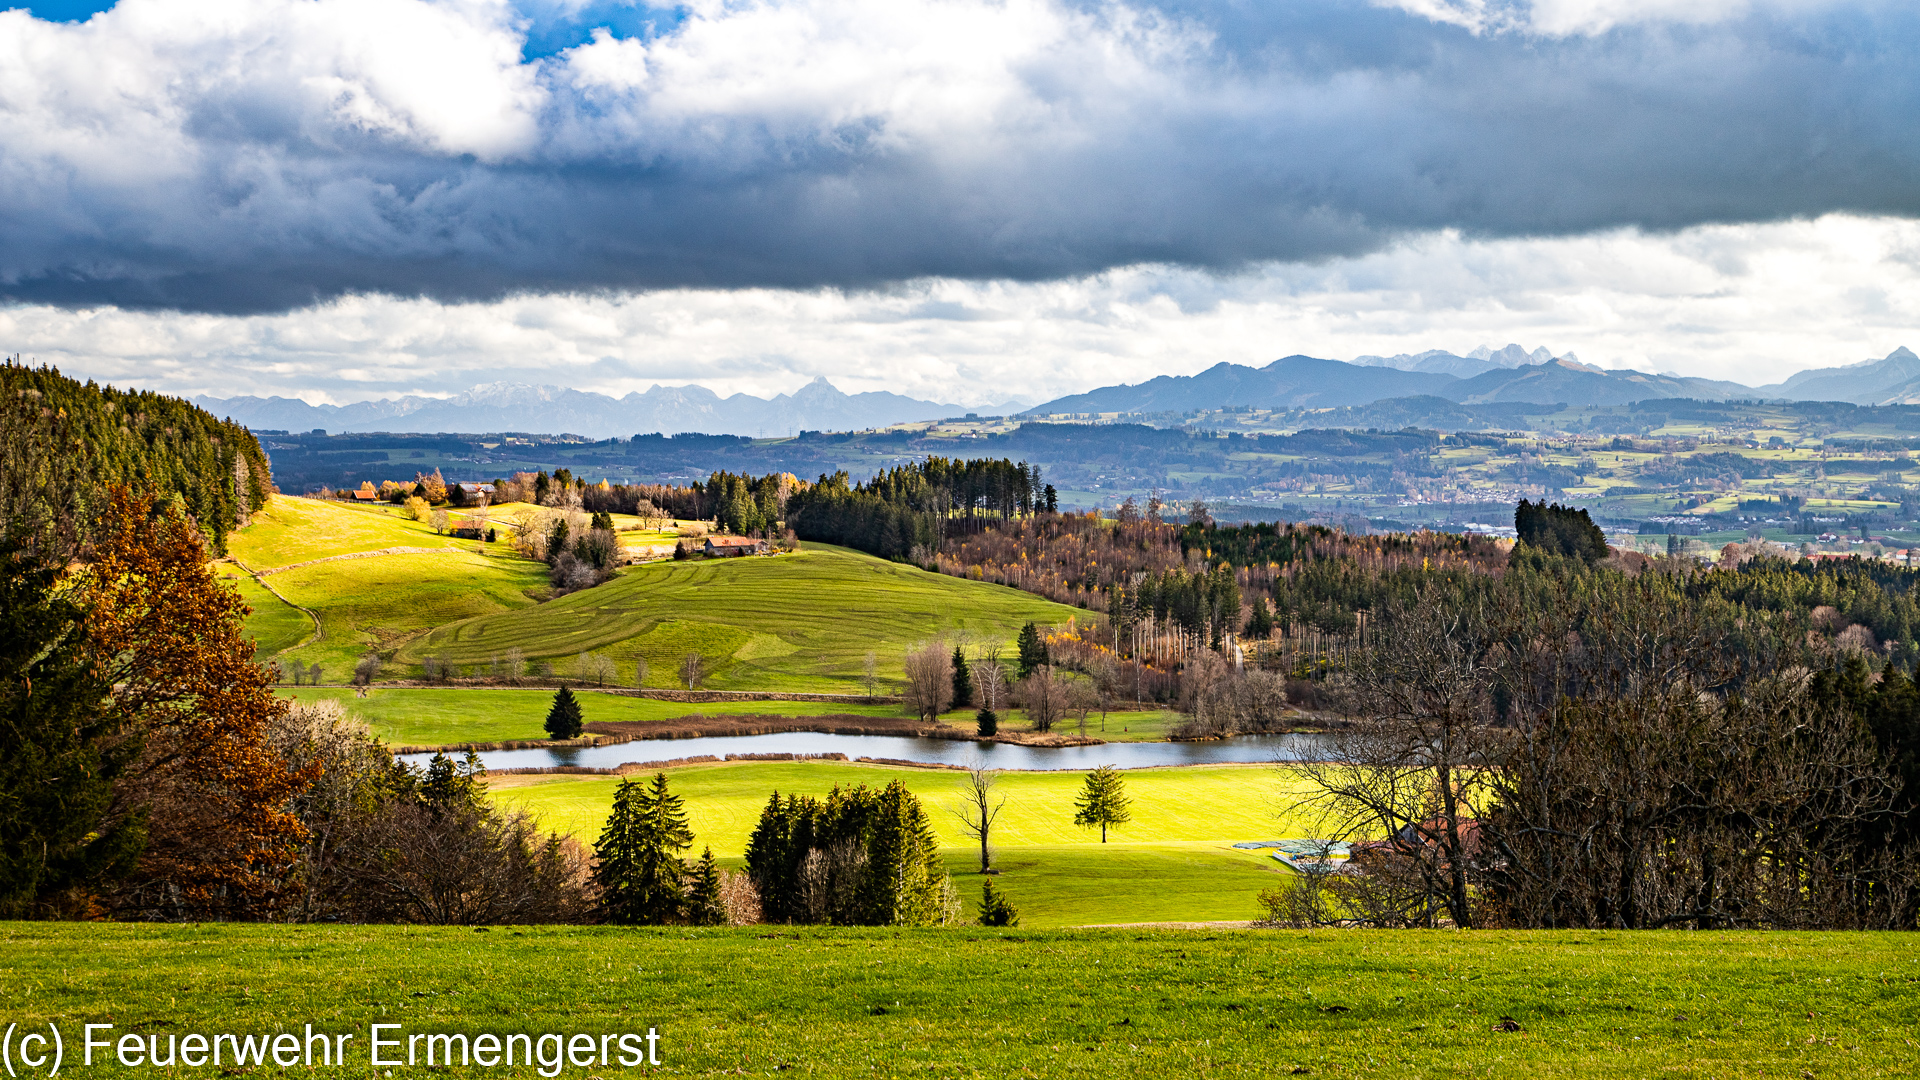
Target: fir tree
962,680
1103,801
564,720
995,908
617,858
704,907
1033,651
987,722
1260,623
658,894
57,774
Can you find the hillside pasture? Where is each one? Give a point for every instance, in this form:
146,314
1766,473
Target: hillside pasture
274,625
379,603
293,530
798,622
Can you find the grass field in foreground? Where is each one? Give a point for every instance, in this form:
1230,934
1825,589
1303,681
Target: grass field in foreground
791,622
965,1003
437,717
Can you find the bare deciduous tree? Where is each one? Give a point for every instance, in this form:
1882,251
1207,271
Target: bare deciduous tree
929,689
979,809
870,674
1043,694
692,670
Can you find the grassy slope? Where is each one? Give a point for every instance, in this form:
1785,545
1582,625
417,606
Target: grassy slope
431,717
274,625
373,602
1026,1003
1172,862
795,622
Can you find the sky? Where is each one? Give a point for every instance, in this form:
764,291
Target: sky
966,200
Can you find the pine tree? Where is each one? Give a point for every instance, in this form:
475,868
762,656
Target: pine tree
1103,801
704,907
564,720
995,908
962,680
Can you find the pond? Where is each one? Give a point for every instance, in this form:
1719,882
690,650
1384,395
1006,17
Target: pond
1125,755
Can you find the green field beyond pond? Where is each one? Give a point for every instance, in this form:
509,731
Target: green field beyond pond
1174,862
965,1003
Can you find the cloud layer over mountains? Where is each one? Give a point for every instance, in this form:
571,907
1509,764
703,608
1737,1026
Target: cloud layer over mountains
261,155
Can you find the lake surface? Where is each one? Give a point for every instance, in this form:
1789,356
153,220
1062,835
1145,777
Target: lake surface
1125,755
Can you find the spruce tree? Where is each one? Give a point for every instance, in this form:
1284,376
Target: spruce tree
1033,651
1103,801
662,833
564,720
617,857
962,680
704,907
987,723
61,759
995,908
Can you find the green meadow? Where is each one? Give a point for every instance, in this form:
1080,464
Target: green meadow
1173,862
799,622
438,717
996,1003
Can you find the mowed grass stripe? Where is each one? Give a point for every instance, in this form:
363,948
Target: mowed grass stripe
379,603
799,622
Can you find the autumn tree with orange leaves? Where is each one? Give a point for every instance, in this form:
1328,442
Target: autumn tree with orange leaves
221,843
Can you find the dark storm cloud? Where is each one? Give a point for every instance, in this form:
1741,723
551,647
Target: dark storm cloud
1227,135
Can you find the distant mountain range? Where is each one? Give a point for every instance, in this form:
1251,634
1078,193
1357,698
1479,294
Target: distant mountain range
1510,375
1485,376
552,410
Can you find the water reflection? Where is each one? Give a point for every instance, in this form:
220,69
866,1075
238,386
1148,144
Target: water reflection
1246,748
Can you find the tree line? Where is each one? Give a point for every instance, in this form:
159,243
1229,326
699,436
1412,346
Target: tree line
64,445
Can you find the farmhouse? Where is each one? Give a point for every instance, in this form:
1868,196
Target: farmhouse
734,545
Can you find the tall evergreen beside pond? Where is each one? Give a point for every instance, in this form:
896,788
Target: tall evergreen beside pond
638,866
564,720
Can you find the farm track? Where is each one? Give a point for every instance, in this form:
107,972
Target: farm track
319,632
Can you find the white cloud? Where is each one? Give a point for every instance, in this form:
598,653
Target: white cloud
1562,17
1750,303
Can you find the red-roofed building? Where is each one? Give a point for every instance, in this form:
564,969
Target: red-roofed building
734,545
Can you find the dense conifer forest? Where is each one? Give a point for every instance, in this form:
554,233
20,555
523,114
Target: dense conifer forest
64,444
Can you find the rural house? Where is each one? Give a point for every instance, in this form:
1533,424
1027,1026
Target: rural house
734,545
